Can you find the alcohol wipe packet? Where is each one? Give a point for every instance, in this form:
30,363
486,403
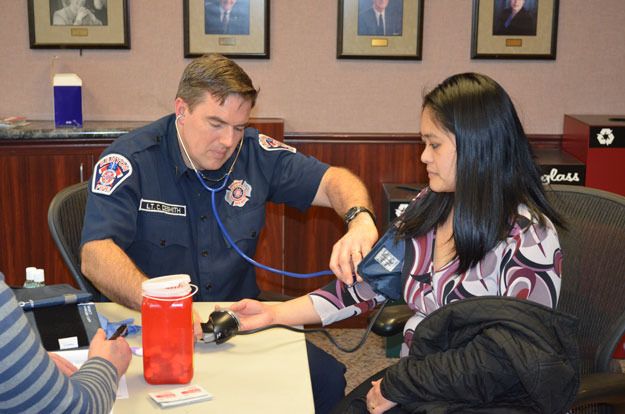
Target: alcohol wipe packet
179,396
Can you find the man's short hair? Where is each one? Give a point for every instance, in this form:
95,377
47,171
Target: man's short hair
217,75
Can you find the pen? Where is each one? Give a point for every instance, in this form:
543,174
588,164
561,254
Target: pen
119,331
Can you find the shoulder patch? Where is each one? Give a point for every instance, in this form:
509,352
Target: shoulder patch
109,173
270,144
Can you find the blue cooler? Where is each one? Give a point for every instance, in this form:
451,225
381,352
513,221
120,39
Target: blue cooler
67,100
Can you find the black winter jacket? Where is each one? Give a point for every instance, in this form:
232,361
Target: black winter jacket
488,354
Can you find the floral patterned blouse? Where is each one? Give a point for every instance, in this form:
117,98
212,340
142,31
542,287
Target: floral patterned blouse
526,265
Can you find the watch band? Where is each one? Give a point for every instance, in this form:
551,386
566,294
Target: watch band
354,211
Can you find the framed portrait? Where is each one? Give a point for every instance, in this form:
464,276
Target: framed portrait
78,24
514,29
233,28
380,29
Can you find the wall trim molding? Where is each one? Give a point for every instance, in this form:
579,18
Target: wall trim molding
537,140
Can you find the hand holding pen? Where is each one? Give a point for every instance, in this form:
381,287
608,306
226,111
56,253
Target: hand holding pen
115,350
68,368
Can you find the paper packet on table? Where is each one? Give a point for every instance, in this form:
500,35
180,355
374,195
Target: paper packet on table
180,396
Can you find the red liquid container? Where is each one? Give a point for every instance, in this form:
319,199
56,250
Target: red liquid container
167,332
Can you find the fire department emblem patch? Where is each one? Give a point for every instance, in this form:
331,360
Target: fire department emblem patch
238,193
109,173
270,144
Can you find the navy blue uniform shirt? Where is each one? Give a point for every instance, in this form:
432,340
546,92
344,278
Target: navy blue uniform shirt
144,198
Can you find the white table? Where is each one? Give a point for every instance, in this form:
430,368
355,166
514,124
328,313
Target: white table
263,372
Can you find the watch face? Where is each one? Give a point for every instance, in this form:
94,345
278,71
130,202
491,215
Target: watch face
353,212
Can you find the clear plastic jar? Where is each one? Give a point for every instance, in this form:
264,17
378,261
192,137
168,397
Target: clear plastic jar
167,319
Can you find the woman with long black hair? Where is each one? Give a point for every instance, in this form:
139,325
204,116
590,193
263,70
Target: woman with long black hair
481,269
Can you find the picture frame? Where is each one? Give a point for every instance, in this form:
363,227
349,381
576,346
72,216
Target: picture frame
530,34
243,34
397,35
60,24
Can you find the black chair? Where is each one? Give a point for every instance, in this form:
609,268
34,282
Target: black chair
65,220
593,289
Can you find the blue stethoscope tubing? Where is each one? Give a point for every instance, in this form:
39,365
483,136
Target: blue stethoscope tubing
236,248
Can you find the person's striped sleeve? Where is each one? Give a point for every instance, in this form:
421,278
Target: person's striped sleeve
30,382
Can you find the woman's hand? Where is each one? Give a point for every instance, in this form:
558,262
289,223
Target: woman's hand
376,403
198,334
253,314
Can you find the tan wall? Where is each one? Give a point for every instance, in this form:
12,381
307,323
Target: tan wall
306,85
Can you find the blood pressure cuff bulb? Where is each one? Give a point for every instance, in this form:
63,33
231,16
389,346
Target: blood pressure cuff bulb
382,267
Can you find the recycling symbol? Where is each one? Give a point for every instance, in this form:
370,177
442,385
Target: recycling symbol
605,136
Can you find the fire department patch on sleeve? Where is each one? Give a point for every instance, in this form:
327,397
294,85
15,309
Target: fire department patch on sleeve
270,144
109,173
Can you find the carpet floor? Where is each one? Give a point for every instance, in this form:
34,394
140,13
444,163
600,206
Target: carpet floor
360,364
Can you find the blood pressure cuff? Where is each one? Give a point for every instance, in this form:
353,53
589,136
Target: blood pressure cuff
63,317
382,267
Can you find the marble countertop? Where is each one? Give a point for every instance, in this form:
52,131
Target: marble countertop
90,129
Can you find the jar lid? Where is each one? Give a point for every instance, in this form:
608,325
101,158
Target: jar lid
167,286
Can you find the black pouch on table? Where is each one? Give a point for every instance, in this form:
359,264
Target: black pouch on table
62,316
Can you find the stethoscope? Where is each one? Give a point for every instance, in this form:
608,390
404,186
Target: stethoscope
223,324
218,188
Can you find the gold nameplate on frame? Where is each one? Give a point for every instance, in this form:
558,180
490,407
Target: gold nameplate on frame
514,42
227,41
79,32
379,42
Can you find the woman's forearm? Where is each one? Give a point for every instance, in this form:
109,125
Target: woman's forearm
299,311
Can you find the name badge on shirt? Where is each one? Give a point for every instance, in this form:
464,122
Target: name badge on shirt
153,206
